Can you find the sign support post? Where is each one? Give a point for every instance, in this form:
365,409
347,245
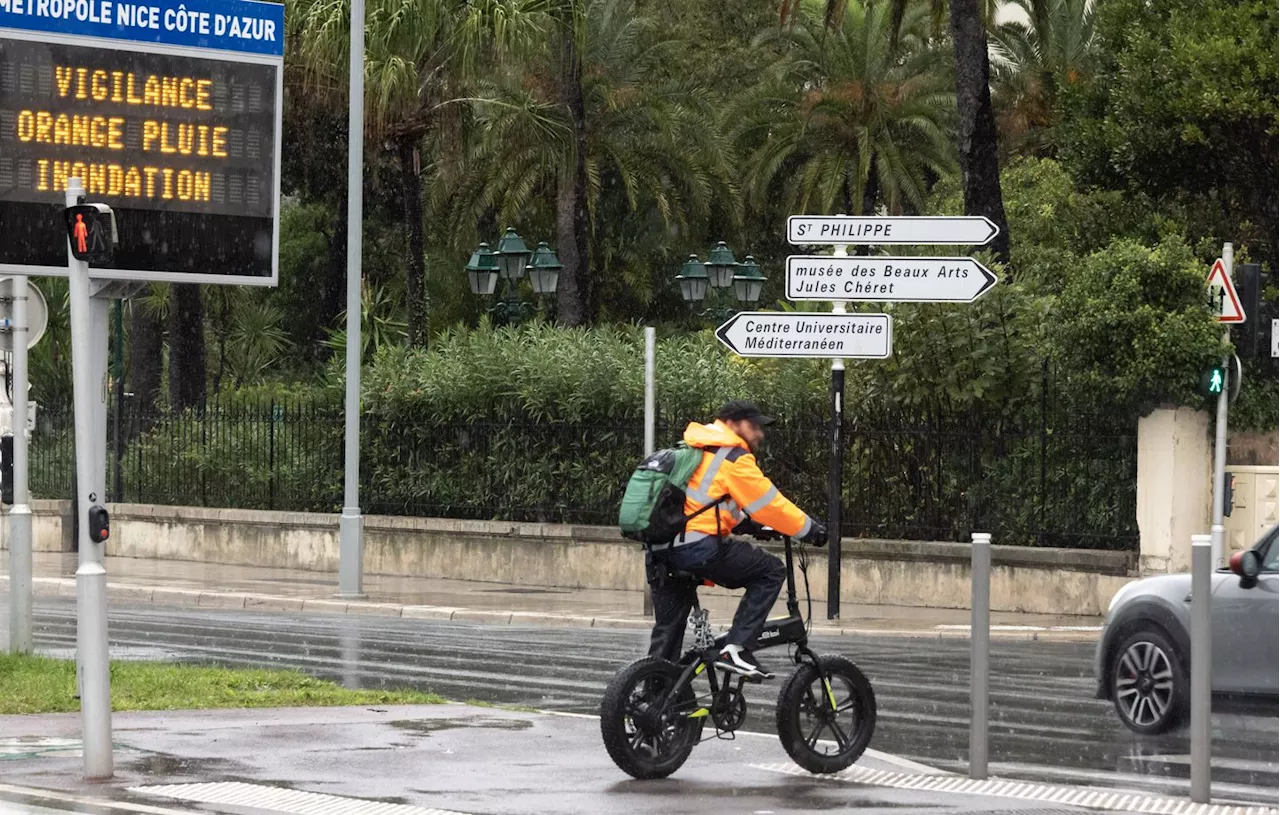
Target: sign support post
351,524
1220,431
20,515
93,668
839,279
835,475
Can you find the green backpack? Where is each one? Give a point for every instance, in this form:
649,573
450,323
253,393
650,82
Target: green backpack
652,508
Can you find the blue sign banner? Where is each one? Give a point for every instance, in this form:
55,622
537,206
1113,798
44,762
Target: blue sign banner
246,26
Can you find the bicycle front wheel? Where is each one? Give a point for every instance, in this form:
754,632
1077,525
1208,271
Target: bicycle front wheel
826,728
644,741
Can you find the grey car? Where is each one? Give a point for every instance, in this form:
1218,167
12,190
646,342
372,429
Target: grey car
1142,662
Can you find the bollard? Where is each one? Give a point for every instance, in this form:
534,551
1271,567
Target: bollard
1201,664
979,656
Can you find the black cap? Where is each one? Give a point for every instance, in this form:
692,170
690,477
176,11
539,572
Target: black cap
740,409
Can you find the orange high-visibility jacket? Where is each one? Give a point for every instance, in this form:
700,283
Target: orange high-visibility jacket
732,470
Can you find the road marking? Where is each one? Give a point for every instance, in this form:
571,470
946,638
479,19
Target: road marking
276,799
965,627
887,758
1091,798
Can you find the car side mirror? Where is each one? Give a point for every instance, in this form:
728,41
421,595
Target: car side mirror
1247,565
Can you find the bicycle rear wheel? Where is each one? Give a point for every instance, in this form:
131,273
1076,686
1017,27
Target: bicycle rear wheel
825,730
643,741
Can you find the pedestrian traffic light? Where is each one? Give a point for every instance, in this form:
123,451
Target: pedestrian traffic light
1228,493
1213,380
91,230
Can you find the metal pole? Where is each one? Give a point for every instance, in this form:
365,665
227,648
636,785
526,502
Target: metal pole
1220,434
980,653
93,663
1201,665
100,308
351,526
117,487
835,471
650,419
20,516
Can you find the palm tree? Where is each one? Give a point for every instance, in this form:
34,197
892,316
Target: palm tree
845,121
976,137
1033,57
651,146
418,54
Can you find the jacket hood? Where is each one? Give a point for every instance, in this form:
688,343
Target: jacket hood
716,434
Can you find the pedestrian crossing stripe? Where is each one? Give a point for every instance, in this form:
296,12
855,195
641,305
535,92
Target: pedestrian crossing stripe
1090,797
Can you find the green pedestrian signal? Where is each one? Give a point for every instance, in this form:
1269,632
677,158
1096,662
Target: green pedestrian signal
1213,380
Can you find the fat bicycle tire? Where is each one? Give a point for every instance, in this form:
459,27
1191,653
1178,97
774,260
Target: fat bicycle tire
803,719
644,753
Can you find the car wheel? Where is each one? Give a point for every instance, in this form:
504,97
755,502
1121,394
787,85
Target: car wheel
1148,682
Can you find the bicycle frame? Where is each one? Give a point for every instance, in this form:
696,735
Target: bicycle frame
789,630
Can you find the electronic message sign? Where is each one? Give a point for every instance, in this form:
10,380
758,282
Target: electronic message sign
169,113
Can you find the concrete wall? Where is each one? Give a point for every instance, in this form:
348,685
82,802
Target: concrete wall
908,573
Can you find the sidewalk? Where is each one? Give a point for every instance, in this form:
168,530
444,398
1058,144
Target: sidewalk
187,583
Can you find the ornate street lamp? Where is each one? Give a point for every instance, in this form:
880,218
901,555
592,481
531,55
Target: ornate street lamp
544,270
509,263
513,255
721,266
693,280
748,282
482,270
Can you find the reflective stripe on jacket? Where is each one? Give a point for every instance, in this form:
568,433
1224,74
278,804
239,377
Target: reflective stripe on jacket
732,470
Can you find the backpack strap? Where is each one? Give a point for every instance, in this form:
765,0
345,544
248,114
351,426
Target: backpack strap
700,493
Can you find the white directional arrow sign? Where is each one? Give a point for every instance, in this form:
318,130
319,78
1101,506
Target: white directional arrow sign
887,280
804,230
791,334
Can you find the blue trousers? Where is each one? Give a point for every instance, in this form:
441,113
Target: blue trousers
734,564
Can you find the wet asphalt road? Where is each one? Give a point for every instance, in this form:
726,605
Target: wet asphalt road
1045,725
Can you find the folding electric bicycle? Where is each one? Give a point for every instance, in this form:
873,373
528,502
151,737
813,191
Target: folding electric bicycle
651,716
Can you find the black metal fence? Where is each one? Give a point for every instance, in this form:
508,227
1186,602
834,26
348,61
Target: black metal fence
1046,480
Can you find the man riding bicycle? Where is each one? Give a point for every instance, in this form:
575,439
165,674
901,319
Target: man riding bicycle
728,470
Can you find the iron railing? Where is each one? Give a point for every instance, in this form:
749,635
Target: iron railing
1046,480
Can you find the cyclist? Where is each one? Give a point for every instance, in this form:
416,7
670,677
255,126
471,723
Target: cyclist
728,470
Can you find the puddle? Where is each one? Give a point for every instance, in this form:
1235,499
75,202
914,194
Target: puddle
425,727
160,764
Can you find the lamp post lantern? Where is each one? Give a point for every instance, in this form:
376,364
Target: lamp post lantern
719,275
509,263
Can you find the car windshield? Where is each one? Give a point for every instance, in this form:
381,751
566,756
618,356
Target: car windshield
1269,554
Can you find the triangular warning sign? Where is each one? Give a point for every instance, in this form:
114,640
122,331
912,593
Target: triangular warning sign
1224,300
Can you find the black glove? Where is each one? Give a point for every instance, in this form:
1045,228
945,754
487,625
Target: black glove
817,535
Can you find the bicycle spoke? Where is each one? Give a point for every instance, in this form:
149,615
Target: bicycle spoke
812,741
842,739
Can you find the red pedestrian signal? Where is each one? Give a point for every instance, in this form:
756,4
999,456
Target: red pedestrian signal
91,231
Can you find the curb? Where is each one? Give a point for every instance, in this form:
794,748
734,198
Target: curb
161,595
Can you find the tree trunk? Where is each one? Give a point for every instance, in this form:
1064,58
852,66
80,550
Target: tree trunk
187,372
415,273
572,223
976,126
146,359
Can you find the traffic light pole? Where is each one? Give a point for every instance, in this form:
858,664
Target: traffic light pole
1220,436
93,659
